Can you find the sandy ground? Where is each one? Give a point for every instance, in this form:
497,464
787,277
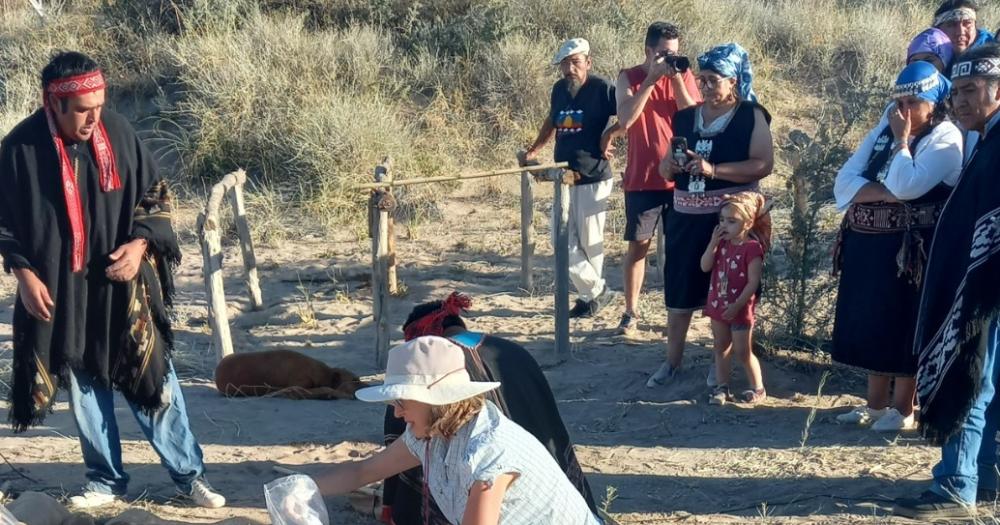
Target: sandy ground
654,456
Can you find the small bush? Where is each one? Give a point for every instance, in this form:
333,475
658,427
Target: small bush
799,292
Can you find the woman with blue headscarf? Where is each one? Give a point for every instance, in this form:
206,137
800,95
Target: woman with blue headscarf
893,189
728,149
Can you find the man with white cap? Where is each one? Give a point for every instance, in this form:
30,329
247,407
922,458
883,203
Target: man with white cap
580,112
480,467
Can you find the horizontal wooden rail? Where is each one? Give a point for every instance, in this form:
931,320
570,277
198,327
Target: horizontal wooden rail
448,178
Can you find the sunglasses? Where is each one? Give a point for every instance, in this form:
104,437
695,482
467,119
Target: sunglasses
705,82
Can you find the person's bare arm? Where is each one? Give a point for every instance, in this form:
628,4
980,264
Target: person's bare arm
669,168
708,258
607,139
483,507
345,477
631,103
873,192
681,95
545,134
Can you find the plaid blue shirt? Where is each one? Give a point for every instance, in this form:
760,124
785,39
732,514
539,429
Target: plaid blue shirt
491,445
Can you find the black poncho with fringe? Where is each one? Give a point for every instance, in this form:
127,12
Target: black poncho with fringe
117,332
961,295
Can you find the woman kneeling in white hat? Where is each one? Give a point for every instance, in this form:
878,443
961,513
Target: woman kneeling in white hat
480,467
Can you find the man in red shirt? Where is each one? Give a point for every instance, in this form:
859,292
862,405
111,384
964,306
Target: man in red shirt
648,95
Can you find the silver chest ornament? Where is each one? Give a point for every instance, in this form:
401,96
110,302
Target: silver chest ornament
704,149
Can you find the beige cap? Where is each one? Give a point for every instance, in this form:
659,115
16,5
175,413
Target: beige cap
571,47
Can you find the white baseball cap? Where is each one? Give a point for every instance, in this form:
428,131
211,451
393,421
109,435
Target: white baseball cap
428,369
571,47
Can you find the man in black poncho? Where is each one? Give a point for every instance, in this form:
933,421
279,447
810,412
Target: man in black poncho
524,396
957,327
85,228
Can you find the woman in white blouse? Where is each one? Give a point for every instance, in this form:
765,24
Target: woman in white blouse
480,467
892,189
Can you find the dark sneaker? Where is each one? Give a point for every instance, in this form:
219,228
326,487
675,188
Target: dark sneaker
987,497
602,300
580,309
931,505
753,396
719,396
629,324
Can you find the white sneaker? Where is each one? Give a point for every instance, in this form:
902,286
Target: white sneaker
203,495
90,499
712,381
861,416
893,421
661,376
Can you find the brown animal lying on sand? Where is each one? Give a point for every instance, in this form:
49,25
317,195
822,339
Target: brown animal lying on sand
283,373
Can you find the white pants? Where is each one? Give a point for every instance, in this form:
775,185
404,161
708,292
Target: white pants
588,204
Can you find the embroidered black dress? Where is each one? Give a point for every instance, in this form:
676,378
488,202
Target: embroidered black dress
876,301
689,223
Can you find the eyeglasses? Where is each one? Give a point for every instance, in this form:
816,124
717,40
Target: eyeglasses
706,82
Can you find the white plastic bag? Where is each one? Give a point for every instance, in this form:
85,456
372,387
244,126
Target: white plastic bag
295,500
6,518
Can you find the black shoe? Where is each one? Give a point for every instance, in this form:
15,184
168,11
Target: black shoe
580,309
606,296
987,497
931,505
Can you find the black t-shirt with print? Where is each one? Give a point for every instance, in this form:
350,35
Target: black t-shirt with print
580,121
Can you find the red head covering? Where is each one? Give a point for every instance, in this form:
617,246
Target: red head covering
753,207
432,323
104,156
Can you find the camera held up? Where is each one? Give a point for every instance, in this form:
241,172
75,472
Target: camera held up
679,62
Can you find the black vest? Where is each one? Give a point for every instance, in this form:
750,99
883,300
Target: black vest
732,144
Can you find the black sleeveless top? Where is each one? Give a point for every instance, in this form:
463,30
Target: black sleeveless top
879,161
732,144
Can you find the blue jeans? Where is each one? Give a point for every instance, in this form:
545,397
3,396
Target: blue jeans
969,458
167,430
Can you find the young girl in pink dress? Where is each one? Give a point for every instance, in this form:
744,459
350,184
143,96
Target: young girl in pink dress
735,258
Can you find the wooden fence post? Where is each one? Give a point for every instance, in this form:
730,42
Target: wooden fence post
380,204
211,251
246,242
391,233
527,228
560,209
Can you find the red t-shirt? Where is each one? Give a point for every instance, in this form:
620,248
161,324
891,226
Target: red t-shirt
649,136
729,278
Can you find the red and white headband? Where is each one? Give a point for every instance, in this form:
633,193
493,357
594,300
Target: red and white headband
76,85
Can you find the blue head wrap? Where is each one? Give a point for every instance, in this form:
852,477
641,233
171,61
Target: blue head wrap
982,37
922,80
731,61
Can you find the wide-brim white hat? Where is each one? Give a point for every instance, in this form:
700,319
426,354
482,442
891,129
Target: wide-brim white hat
428,369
